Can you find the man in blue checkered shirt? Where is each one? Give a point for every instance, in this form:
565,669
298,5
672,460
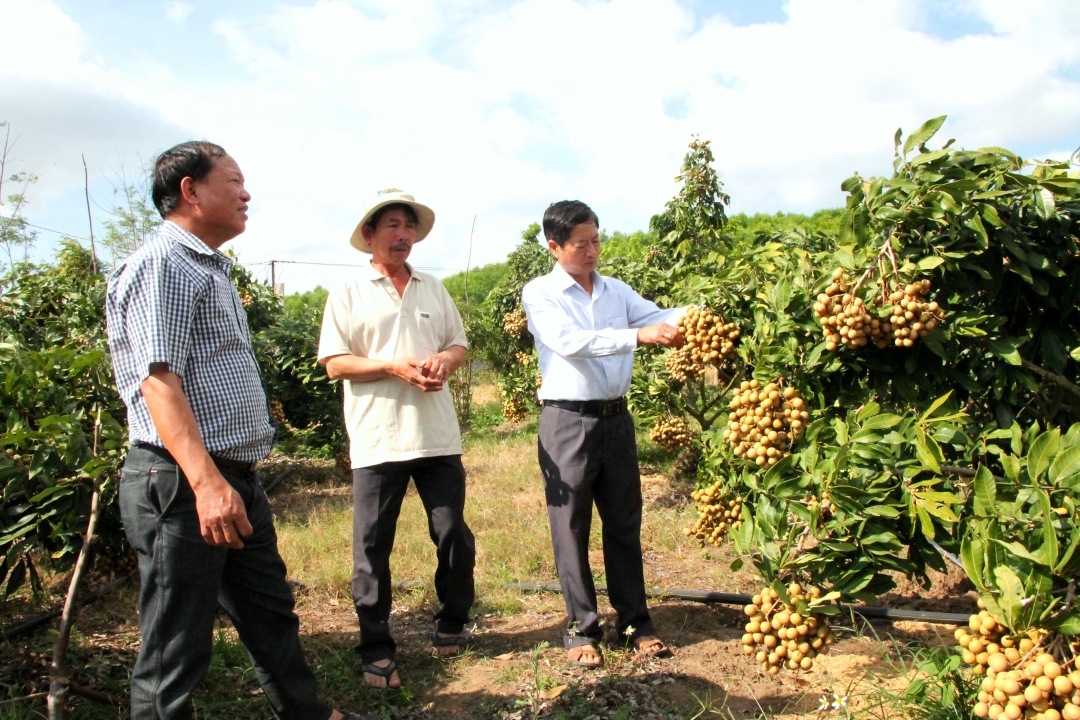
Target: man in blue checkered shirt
191,503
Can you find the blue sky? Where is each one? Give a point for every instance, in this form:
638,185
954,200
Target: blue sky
496,109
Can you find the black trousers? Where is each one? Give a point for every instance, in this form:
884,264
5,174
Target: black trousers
586,459
377,494
183,581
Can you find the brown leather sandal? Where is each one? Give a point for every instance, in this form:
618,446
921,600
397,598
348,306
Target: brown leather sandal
649,646
576,653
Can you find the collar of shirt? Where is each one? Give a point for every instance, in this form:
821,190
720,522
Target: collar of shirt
193,243
565,282
374,275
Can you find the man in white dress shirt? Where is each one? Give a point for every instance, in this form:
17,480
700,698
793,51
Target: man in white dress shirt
586,328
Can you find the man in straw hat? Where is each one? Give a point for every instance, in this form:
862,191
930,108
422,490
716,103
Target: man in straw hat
394,336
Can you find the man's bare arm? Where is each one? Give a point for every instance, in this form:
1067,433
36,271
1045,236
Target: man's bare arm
222,516
359,369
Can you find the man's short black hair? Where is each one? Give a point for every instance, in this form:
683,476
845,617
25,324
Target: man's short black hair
562,217
373,221
193,159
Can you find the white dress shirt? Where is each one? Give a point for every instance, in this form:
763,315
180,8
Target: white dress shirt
586,342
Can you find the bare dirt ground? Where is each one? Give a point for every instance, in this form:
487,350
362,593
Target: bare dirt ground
514,668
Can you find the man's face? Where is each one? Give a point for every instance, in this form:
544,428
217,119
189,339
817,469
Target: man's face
579,254
392,240
223,201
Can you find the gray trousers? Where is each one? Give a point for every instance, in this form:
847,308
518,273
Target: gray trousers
183,581
377,494
586,459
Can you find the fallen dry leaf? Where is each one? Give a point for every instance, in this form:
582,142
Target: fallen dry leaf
553,692
505,656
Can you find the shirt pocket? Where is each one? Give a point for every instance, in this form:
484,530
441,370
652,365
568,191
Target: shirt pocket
618,323
429,327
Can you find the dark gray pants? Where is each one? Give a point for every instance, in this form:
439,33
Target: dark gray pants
377,494
584,459
183,581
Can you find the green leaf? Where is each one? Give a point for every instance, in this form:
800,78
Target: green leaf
935,405
1011,464
971,555
1065,464
985,488
869,410
879,422
930,262
1044,203
1042,453
924,133
1020,551
1004,349
777,471
1069,624
925,521
927,451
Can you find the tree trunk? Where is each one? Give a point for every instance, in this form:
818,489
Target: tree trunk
58,681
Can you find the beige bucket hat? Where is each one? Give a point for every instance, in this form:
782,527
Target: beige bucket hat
388,196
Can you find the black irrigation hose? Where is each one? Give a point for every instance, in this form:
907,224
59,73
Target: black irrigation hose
706,596
8,633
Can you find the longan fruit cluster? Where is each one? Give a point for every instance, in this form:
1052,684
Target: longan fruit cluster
515,323
718,515
911,318
246,299
117,560
708,337
17,457
524,358
789,638
1019,681
514,410
844,319
671,433
343,459
1039,689
277,412
828,508
682,367
764,421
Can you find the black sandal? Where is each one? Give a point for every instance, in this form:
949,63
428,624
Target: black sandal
459,641
383,672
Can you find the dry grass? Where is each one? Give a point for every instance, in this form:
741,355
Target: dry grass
506,511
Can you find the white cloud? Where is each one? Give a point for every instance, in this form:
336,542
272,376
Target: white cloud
499,112
177,11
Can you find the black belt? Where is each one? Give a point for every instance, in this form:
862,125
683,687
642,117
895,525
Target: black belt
599,408
164,454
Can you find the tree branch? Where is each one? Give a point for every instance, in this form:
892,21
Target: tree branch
1052,377
965,472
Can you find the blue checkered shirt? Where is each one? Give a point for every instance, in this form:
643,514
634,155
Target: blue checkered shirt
172,302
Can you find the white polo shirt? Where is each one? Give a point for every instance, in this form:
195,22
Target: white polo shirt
390,420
